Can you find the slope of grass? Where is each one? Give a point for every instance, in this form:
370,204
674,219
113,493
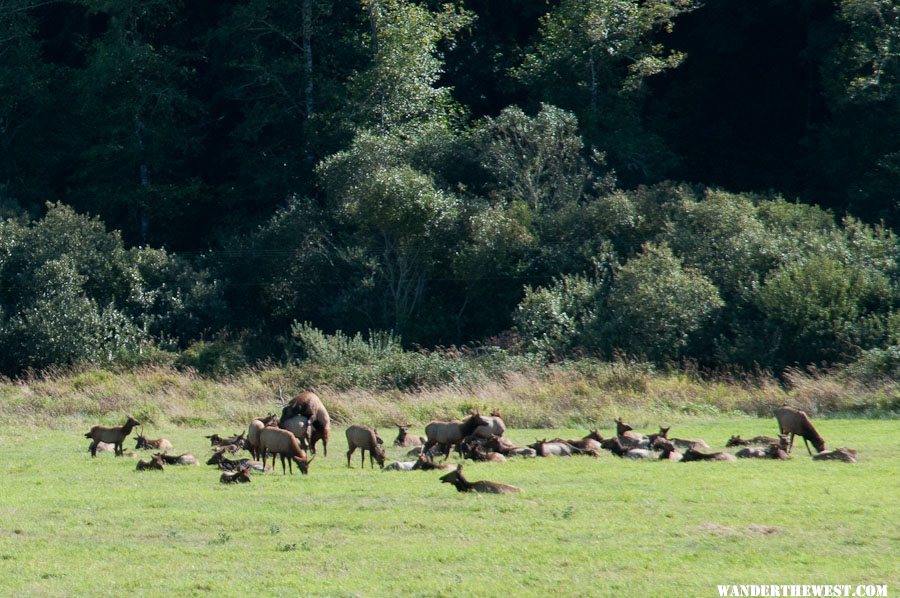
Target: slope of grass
72,525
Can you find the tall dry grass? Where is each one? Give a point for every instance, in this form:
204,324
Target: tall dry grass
570,395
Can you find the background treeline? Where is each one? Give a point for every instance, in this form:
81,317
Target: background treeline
215,183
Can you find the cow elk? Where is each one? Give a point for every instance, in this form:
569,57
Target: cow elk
451,433
456,478
155,462
310,406
276,441
795,422
365,439
241,476
405,439
114,435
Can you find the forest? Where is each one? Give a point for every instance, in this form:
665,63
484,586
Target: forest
219,184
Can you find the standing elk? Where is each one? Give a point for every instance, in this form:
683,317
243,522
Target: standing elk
114,435
309,406
284,444
493,426
793,421
452,433
253,430
365,439
456,478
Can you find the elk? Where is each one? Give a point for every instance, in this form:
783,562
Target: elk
284,444
692,454
493,426
738,441
182,459
425,463
475,450
587,444
365,439
399,466
159,444
793,421
104,447
629,437
404,439
155,462
667,449
545,448
620,450
507,448
456,478
237,439
115,435
241,476
839,454
253,431
449,433
300,427
234,464
309,406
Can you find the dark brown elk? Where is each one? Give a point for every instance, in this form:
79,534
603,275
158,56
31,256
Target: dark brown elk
276,441
155,444
405,439
456,478
667,450
365,439
237,439
476,450
692,454
114,435
310,406
663,433
451,433
839,454
155,462
226,464
241,476
793,421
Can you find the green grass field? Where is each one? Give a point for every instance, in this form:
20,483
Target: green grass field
72,525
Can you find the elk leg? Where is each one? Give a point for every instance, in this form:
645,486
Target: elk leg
349,454
806,442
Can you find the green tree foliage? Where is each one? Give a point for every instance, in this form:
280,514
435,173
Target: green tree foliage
72,293
656,305
592,58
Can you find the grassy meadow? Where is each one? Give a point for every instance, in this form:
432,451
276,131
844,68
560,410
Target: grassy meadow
72,525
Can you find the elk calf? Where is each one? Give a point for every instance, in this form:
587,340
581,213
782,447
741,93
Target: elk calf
241,476
155,462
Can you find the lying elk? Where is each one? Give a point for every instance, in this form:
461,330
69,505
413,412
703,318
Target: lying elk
839,454
456,478
155,462
253,430
365,439
475,450
629,438
158,444
793,421
667,449
114,435
738,441
589,444
284,444
452,433
182,459
404,439
216,440
545,448
692,454
309,406
227,464
241,476
621,450
507,448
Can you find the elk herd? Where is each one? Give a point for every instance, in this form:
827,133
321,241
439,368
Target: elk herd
304,423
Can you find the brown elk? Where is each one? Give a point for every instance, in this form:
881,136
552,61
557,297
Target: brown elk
155,462
839,454
157,444
456,478
507,448
310,406
738,441
241,476
692,454
620,449
451,433
667,449
237,439
284,444
793,421
182,459
628,437
545,448
253,430
114,435
365,439
493,426
404,439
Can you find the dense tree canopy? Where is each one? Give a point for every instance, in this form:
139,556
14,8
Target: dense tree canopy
716,181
